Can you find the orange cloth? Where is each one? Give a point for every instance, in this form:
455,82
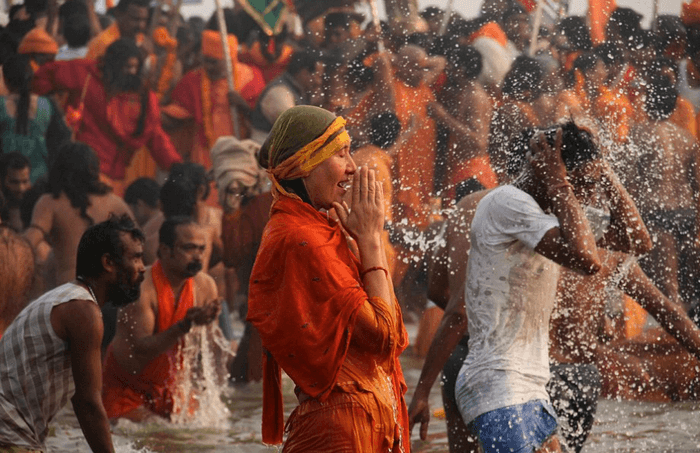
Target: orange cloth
684,116
599,12
690,13
490,30
37,41
378,160
615,111
414,163
123,392
98,45
270,69
162,38
635,317
304,298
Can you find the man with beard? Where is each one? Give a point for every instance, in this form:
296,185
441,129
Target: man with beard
51,352
141,364
110,109
14,184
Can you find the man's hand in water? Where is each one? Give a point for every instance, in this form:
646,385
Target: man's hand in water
203,315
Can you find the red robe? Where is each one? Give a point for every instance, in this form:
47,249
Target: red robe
107,125
122,392
304,298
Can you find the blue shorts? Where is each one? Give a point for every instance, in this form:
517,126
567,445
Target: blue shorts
522,428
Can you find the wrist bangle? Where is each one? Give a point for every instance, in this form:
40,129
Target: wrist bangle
185,325
372,269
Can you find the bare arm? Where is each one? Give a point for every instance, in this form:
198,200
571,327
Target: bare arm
452,328
135,344
81,323
42,222
670,315
365,222
572,244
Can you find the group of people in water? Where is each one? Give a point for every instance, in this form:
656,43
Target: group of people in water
531,194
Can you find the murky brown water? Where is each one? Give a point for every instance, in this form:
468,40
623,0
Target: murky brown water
621,426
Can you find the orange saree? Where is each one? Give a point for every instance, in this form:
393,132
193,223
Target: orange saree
304,298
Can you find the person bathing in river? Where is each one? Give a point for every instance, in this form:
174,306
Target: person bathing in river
326,317
140,370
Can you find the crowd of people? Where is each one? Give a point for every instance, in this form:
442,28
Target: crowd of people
329,177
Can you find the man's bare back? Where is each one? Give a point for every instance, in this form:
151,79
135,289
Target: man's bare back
16,272
63,226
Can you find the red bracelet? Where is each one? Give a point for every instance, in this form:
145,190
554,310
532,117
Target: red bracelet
375,268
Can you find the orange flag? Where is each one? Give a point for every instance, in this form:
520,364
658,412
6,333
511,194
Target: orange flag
599,12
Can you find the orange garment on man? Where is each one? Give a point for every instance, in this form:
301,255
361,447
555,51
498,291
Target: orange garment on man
415,162
599,12
142,164
205,101
123,392
306,287
380,161
690,13
37,41
490,30
684,116
615,111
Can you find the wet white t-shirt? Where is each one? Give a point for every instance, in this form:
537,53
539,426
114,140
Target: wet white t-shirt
510,295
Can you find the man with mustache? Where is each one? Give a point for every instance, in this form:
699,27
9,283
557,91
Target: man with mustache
140,371
51,351
110,108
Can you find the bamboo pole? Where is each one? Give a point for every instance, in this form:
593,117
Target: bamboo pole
536,27
446,17
375,21
229,66
654,15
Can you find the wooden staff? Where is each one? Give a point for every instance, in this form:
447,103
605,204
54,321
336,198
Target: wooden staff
229,66
536,27
375,21
654,15
446,17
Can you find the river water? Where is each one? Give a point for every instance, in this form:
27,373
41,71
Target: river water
621,426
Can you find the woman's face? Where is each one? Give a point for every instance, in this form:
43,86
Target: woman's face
328,182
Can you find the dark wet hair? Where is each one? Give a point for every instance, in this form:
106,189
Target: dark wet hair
104,237
115,58
304,59
123,5
578,146
17,73
178,196
669,28
661,97
431,12
525,75
167,235
468,60
577,33
76,173
341,19
384,129
146,189
610,53
12,161
627,20
422,40
71,7
76,30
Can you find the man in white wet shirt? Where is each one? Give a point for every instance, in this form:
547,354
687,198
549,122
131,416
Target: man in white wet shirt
520,235
51,352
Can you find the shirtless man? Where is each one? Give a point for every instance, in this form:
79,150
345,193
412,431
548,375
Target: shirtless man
77,200
139,371
53,346
465,108
663,178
